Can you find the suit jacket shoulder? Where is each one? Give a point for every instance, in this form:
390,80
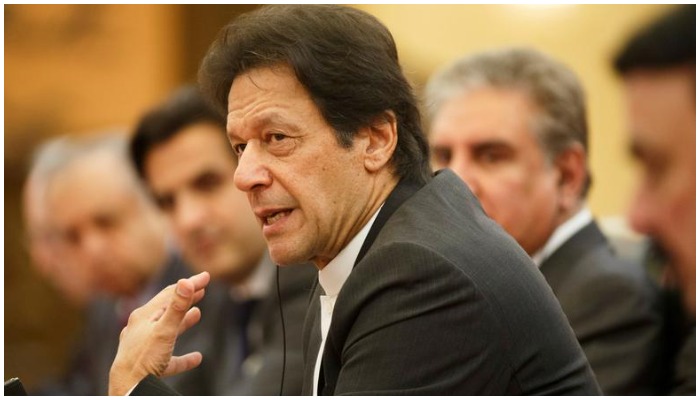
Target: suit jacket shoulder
614,309
445,289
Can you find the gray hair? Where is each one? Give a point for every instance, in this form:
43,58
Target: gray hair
553,88
55,155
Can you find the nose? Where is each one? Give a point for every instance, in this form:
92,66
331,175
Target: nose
641,212
94,245
465,170
190,214
251,173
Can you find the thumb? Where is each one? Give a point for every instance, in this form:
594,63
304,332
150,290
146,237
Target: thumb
180,303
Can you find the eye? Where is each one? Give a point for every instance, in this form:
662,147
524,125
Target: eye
71,236
277,137
490,154
208,181
106,221
238,148
441,156
280,144
165,202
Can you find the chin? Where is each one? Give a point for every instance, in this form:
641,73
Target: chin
284,256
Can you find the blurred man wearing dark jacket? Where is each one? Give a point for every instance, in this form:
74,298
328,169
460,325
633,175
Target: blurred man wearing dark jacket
658,70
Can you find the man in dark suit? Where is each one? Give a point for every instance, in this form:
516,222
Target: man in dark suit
418,291
105,223
180,151
658,68
512,124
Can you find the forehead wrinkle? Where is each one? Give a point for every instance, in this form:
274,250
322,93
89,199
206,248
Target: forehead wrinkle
269,116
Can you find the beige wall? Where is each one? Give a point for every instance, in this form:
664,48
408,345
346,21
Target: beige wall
585,37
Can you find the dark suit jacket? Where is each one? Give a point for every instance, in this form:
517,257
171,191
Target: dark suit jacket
443,302
684,369
271,353
614,310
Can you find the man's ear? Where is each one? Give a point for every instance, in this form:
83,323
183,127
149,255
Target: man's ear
382,136
573,172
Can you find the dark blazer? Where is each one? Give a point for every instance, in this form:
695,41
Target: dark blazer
442,301
614,310
274,349
684,371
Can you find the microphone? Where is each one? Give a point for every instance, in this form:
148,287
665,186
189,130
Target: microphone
13,387
284,333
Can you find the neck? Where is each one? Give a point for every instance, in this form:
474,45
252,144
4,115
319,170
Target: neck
379,189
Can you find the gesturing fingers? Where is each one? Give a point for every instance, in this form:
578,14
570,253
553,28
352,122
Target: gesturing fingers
200,281
186,292
180,303
183,363
191,318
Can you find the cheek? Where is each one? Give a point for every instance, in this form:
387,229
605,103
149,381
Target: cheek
501,202
504,192
231,205
681,213
235,198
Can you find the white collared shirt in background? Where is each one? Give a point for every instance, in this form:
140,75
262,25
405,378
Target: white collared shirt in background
257,285
563,233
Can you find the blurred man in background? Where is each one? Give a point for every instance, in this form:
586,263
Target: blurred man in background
48,254
512,124
181,152
658,70
104,223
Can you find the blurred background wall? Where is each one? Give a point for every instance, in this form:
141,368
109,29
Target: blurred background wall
82,68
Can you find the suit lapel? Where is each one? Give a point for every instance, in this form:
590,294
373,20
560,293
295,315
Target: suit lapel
555,268
328,375
312,338
398,196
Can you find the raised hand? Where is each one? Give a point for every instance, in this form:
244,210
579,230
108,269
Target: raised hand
146,344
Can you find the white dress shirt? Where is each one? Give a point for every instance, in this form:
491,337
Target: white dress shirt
332,277
563,233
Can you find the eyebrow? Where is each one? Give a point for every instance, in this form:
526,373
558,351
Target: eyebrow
266,118
490,144
636,149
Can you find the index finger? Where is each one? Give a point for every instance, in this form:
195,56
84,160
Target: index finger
200,281
186,292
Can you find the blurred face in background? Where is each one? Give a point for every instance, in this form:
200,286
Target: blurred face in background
661,113
486,136
47,251
191,177
106,224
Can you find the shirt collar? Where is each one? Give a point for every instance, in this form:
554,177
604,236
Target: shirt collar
335,273
563,233
257,285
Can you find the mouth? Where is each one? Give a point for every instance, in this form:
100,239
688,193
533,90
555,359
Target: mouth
269,218
203,247
272,218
